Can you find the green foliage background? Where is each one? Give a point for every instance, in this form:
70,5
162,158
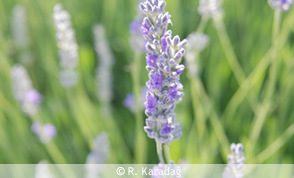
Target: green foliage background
77,113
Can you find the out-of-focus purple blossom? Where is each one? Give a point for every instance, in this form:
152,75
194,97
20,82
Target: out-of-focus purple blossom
130,103
281,5
44,132
105,61
68,48
136,40
236,160
164,54
98,155
28,98
196,43
210,8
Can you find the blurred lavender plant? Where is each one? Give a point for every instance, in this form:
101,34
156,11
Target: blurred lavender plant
196,43
236,161
68,48
281,5
136,40
44,132
19,27
42,170
210,8
130,103
20,34
105,63
163,57
98,155
24,93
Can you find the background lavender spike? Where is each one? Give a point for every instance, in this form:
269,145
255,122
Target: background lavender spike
42,170
281,5
136,39
163,57
210,8
98,155
45,132
236,161
28,98
19,27
196,43
130,103
68,48
105,62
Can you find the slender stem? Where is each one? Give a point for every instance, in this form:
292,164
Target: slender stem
260,119
228,49
166,153
213,117
276,145
140,142
159,152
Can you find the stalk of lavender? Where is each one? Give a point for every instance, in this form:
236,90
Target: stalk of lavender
29,100
164,88
236,160
103,71
137,43
68,48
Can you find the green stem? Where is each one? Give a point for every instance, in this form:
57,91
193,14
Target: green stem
260,119
228,49
166,153
159,152
276,145
213,117
140,142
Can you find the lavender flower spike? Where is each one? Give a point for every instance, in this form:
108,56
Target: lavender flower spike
281,5
164,54
196,43
210,8
105,63
68,48
19,27
98,155
236,162
28,98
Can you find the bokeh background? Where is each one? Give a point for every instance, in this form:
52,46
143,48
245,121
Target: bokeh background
78,115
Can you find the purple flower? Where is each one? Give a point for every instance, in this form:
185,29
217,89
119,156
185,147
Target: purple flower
151,60
49,130
156,81
34,96
173,92
236,162
163,58
150,104
164,43
135,26
44,132
166,129
281,5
